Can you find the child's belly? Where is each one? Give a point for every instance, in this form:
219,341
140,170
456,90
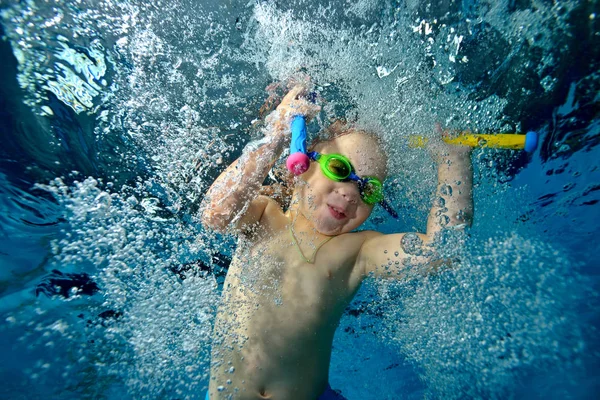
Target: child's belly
277,331
261,359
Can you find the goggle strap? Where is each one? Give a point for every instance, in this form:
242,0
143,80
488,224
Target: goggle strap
354,177
386,206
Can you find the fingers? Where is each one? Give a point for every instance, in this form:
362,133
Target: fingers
294,94
440,132
295,103
308,109
439,145
275,98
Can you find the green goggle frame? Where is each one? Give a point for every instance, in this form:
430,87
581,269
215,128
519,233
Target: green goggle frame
338,168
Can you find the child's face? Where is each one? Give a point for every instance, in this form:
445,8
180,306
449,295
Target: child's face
336,207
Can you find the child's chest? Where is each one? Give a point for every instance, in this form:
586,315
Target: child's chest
277,267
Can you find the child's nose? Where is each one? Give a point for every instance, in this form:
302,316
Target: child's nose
349,193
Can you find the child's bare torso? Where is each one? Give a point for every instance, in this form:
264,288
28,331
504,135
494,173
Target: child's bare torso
275,327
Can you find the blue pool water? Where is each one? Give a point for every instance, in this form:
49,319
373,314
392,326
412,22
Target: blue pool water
117,116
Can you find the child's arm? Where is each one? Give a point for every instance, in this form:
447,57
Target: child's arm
393,255
453,204
233,196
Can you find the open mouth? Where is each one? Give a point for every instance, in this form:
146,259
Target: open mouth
336,212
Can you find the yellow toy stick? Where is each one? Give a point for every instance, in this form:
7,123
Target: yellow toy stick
515,141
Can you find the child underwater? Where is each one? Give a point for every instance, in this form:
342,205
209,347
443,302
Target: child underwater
295,271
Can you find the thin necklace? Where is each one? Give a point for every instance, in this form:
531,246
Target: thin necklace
314,254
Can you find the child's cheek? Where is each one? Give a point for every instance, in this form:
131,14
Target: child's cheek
310,201
320,185
313,194
363,212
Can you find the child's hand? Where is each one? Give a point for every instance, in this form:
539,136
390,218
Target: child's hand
440,150
294,103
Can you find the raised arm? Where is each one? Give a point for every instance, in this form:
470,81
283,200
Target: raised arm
453,202
233,196
396,254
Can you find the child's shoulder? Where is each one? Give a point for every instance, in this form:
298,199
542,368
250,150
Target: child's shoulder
361,241
273,215
262,212
356,239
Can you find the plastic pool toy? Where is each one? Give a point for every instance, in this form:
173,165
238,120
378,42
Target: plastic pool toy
527,142
298,161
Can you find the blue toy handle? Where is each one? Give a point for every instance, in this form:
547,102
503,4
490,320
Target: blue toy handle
298,141
298,161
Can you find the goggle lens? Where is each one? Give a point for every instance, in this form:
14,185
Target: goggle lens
336,168
371,191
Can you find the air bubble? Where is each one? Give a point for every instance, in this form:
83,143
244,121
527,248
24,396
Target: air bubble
446,190
411,244
443,220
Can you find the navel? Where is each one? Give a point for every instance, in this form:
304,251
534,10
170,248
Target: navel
263,393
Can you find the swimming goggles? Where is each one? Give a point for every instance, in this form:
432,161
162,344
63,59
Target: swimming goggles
338,168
